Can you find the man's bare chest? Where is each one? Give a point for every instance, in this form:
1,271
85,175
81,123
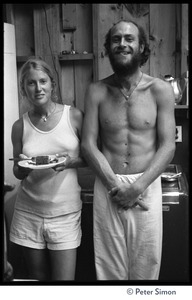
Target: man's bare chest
138,113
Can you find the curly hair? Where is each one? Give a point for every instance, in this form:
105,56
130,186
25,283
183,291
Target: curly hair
142,41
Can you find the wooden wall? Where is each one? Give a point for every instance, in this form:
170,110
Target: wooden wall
41,31
46,30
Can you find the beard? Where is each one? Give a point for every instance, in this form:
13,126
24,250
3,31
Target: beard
125,69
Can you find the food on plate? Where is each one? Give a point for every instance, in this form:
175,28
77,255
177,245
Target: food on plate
43,160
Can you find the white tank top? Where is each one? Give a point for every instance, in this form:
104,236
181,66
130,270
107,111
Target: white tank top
46,192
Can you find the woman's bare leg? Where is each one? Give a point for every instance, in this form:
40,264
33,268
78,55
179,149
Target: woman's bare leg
38,264
63,264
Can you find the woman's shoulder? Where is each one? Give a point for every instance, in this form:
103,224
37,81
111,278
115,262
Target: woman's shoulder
76,117
18,124
17,129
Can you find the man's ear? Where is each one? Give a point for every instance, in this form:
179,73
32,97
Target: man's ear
141,48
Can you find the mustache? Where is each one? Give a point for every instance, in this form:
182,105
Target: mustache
120,50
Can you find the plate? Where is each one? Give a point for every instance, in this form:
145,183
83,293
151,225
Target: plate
27,164
169,176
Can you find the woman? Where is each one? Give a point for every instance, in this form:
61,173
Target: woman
47,215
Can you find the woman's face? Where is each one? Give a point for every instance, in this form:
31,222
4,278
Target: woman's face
38,87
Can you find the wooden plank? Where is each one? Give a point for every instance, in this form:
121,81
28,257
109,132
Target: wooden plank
88,56
83,36
66,42
184,39
67,83
46,34
95,29
162,39
46,29
24,30
41,34
83,77
80,66
69,16
178,41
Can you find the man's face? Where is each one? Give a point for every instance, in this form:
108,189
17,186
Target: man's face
125,51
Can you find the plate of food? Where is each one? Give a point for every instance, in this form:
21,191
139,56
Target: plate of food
41,162
170,176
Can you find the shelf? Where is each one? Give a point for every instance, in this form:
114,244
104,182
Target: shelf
81,56
181,106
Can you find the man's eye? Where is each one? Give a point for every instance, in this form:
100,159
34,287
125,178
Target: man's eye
129,40
115,40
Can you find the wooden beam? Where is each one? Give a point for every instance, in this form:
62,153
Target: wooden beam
95,16
184,38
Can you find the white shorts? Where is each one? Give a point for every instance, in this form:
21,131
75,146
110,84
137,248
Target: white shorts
55,233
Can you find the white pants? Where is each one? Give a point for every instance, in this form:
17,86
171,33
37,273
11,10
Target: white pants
128,245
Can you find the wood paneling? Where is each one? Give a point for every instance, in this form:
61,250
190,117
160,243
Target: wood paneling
74,26
74,34
23,21
46,30
83,76
46,33
162,39
83,36
69,16
67,83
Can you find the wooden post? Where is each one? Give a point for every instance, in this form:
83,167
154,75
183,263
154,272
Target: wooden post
184,38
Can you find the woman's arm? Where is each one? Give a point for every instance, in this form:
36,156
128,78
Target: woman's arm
16,137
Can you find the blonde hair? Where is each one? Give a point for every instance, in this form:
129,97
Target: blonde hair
37,64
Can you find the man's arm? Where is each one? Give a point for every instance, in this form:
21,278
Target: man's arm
90,133
165,134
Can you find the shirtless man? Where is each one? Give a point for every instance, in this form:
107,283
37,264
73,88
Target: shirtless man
130,115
